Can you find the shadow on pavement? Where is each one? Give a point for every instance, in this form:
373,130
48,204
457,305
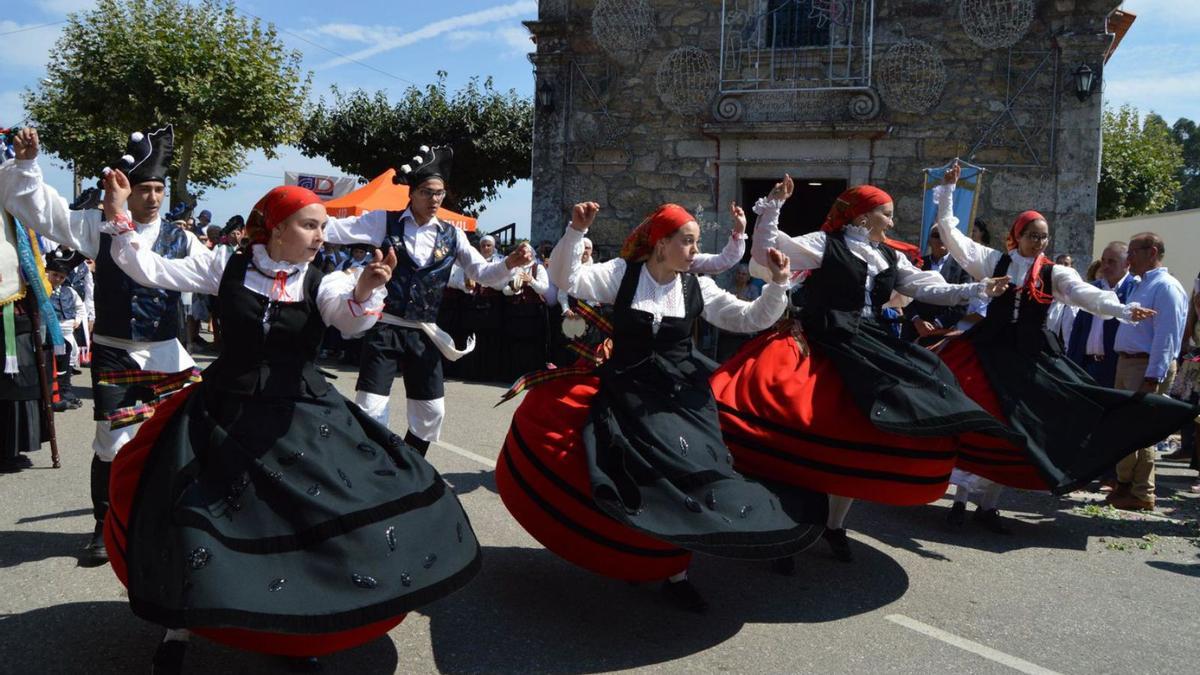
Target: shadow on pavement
466,483
52,516
106,637
1192,570
531,611
18,547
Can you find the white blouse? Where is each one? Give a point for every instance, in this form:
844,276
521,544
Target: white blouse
807,252
278,281
600,282
980,262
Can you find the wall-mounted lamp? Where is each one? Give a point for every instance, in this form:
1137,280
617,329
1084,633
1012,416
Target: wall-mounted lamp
1087,81
545,97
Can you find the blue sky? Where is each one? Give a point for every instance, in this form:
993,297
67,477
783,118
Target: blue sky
1156,68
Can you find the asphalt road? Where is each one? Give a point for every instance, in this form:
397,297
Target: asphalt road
1076,589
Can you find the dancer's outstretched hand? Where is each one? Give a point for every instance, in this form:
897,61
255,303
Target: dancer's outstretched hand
1141,313
375,274
522,255
739,218
952,174
779,265
116,194
26,144
583,215
995,286
783,189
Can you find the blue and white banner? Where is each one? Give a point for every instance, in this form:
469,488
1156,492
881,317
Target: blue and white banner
966,198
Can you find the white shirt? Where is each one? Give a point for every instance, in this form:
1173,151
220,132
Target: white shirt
713,264
371,228
1095,338
807,251
203,275
40,207
980,261
600,282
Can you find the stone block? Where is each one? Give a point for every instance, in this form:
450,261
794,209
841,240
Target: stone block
696,148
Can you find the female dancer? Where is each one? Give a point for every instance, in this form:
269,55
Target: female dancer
260,508
848,408
622,470
1073,429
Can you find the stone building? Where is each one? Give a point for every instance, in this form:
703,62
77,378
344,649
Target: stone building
702,102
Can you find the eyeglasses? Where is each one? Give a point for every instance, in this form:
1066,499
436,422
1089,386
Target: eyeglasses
1035,237
432,194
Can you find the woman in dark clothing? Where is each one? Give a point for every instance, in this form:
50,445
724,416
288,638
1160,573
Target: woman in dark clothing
622,470
260,508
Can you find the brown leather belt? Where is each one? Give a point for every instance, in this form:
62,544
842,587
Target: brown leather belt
1134,355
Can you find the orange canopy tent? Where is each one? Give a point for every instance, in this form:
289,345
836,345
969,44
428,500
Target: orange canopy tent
382,194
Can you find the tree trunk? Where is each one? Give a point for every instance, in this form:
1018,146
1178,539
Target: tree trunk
76,181
186,141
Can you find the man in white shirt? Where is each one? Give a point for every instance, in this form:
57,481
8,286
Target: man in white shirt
406,339
135,345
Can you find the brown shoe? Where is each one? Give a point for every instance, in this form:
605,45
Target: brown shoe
1108,485
1121,490
1131,503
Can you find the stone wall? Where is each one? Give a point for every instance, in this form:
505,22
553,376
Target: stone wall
610,137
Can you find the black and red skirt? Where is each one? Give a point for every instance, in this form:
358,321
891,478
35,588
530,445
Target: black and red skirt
294,526
868,416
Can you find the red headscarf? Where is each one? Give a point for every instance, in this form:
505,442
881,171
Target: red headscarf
662,223
853,203
1033,281
277,205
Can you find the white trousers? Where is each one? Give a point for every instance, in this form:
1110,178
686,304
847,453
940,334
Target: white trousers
424,417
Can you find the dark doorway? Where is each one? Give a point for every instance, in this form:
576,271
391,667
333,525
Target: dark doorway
806,209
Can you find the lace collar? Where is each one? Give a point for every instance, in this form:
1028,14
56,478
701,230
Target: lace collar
269,267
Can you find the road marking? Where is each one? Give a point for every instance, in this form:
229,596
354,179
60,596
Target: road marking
489,463
970,646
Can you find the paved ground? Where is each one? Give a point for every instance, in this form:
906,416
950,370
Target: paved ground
1078,589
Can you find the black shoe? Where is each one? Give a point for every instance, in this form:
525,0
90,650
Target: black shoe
168,658
839,544
958,514
96,553
785,566
59,406
684,595
74,404
305,664
991,521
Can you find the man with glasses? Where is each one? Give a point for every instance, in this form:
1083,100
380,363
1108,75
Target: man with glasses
1091,343
1146,357
406,339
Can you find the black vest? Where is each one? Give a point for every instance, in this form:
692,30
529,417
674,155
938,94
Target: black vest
63,303
279,361
634,338
1029,326
130,311
834,292
415,289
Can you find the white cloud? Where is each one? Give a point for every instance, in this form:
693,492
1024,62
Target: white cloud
64,7
439,28
506,41
351,32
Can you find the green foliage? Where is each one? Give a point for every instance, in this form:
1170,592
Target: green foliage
491,133
1139,165
1187,135
225,81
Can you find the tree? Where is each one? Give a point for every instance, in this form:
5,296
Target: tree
1138,166
491,134
1186,134
226,82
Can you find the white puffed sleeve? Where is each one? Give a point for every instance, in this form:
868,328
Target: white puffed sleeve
978,260
725,311
193,274
931,287
335,300
1071,289
716,263
598,282
805,252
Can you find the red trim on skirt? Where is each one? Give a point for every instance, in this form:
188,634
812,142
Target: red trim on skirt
542,477
122,488
987,456
789,418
